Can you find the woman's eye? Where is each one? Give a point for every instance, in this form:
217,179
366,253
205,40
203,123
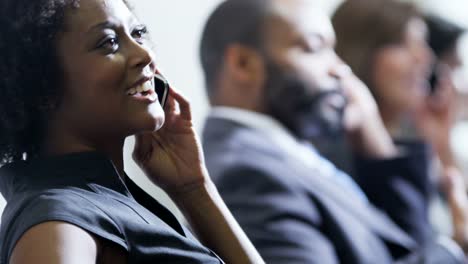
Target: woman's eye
110,44
140,34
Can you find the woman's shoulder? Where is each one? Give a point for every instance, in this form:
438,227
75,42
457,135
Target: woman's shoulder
64,205
60,243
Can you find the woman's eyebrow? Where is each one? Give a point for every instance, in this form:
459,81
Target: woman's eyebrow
103,25
112,25
134,21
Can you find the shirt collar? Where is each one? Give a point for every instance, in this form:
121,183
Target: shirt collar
263,123
278,134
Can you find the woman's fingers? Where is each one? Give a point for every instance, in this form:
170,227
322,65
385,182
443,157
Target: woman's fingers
184,105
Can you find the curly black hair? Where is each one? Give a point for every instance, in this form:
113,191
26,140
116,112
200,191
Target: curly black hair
29,73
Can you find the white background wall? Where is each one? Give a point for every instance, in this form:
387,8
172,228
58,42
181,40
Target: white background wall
176,26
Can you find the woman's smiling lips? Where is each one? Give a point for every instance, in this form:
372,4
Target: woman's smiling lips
143,90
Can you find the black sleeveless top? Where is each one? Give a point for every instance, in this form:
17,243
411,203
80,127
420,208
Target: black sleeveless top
85,189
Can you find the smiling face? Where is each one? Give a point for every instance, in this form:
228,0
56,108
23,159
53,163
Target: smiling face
400,71
107,73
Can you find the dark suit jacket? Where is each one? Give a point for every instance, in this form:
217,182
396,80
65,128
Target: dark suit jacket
293,215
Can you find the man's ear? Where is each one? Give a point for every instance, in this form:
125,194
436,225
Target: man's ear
245,65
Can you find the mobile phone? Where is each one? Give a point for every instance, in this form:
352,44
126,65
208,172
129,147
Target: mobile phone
161,86
433,82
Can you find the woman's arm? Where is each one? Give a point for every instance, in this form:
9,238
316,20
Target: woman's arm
172,158
214,224
55,243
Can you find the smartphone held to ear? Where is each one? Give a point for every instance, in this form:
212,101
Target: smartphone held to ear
439,72
161,87
433,81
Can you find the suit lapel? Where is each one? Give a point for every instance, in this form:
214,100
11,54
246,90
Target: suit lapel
327,192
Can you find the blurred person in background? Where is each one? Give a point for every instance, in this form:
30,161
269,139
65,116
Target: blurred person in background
275,82
444,39
385,43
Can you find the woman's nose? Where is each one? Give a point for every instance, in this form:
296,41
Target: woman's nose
140,55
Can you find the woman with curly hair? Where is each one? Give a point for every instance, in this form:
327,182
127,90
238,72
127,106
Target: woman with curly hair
76,80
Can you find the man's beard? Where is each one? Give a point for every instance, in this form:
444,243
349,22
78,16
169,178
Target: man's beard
306,111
